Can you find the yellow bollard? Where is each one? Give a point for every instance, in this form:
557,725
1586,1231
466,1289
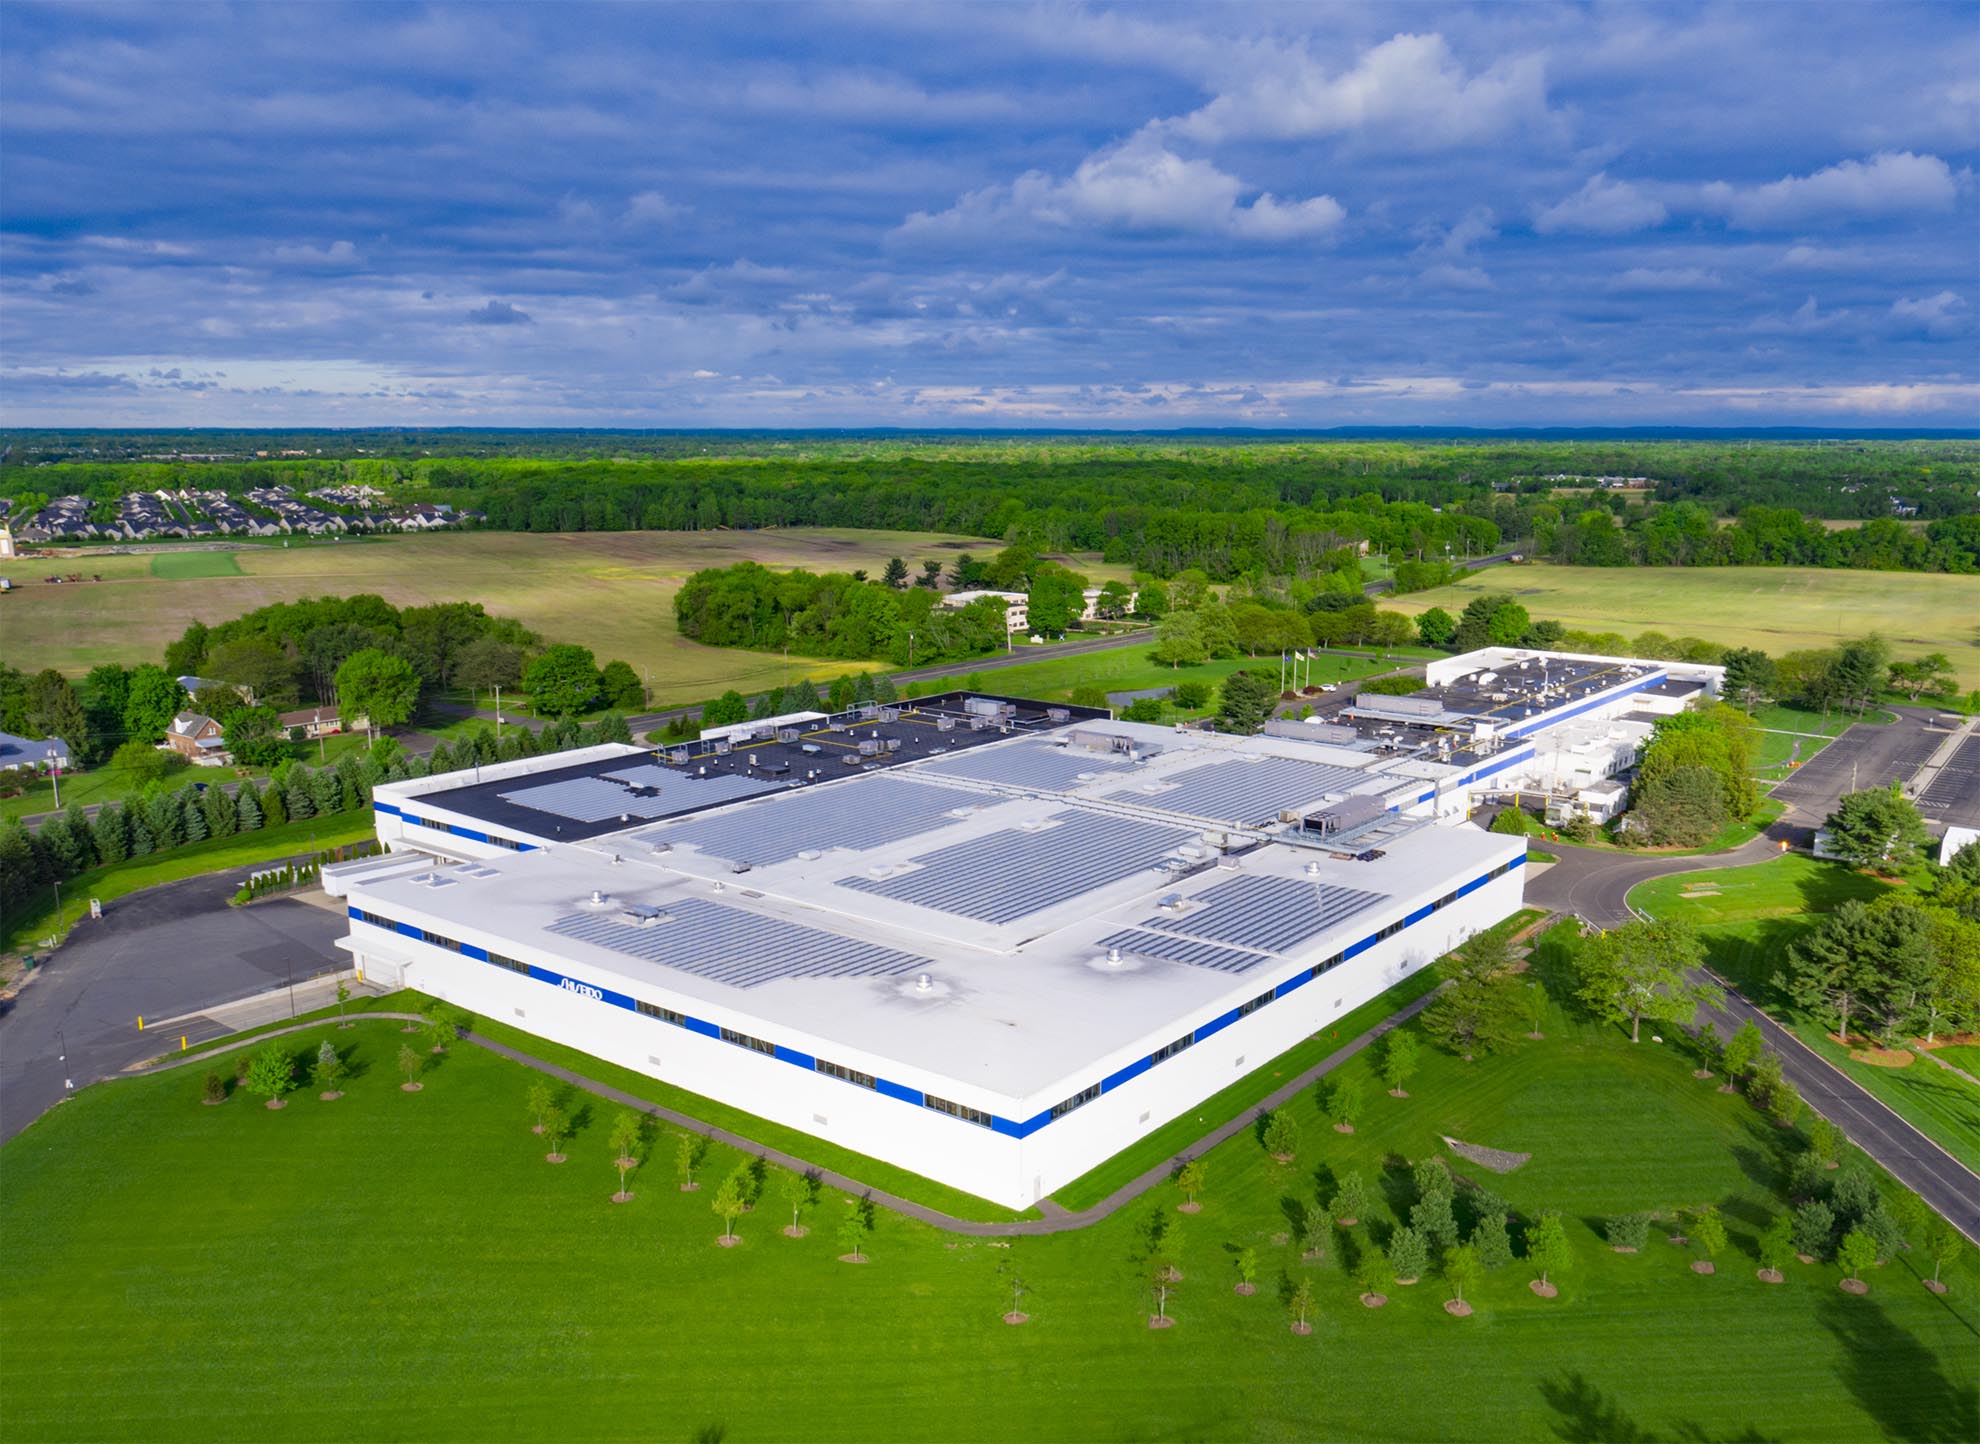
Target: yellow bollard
182,1042
140,1022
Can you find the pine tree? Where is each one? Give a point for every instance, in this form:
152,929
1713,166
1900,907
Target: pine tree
112,836
1409,1258
247,808
79,828
222,812
194,813
1491,1240
295,795
274,807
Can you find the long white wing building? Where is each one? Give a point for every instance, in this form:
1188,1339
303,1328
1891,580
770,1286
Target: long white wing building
986,940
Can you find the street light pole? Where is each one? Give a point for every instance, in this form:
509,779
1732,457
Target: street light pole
56,777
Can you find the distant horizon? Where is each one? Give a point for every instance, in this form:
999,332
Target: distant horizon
1637,432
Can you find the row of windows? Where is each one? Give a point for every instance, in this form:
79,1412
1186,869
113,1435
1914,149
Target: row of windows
514,965
1245,1010
509,842
1078,1100
1327,967
665,1015
743,1040
1170,1050
440,940
433,822
376,921
956,1110
845,1074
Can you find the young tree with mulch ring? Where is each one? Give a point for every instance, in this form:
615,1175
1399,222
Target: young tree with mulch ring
1299,1305
799,1189
538,1103
271,1074
1409,1256
1533,1005
1942,1246
728,1204
858,1223
1740,1053
1314,1227
1914,1217
626,1133
439,1030
1825,1143
1344,1103
1461,1271
1373,1276
214,1091
1247,1272
1547,1251
410,1064
1189,1178
1857,1254
1019,1288
556,1128
688,1152
1350,1197
326,1071
1400,1059
1776,1250
1708,1231
1281,1136
343,997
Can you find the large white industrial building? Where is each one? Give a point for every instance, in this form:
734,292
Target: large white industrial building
983,939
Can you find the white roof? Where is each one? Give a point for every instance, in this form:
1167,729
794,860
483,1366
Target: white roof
1007,893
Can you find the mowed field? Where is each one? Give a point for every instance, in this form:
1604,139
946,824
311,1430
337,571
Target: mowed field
1777,609
407,1266
610,591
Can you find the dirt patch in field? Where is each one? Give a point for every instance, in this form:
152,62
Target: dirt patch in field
1498,1160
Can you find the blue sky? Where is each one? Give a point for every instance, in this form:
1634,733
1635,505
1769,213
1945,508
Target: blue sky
995,215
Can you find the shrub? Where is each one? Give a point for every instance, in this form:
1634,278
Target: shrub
1628,1230
215,1089
1192,696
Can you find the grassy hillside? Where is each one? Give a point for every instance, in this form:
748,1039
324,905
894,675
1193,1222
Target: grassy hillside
407,1266
1778,609
612,591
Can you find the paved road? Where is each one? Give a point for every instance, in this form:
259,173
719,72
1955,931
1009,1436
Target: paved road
1910,1157
1593,883
168,950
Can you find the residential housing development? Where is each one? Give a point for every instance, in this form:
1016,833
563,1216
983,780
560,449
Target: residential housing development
985,939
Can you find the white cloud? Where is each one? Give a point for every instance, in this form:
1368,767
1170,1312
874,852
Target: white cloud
1410,92
1891,183
337,253
650,208
1139,185
1668,278
1604,207
1939,315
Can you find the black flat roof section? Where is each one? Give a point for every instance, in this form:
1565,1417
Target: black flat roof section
695,775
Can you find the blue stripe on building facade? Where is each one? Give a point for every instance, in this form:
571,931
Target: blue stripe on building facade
900,1091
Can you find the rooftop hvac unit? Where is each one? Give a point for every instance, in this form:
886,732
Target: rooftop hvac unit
869,748
1348,812
945,723
868,711
890,714
893,744
722,749
787,734
1397,706
978,723
1057,714
643,915
981,706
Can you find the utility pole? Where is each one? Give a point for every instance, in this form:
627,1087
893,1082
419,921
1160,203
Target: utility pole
498,712
56,777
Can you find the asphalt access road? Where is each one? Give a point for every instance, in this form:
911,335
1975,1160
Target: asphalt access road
1954,795
1593,883
1866,755
1913,1159
166,951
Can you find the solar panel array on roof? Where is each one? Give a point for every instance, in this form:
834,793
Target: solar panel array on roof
1183,950
1027,764
1273,913
868,813
740,949
1008,875
594,799
1234,790
646,774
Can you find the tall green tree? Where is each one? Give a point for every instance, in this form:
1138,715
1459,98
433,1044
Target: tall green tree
1877,828
1547,1250
379,687
1641,970
1244,702
562,681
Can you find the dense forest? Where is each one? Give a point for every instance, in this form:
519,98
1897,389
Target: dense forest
1233,510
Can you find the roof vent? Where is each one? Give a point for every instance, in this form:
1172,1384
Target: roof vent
924,984
810,854
1114,958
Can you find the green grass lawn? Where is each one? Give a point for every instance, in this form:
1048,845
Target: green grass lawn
1962,1055
1129,669
1778,717
1778,749
1749,917
188,566
407,1266
28,927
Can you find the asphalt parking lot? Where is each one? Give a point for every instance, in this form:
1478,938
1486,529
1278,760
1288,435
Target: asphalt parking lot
1954,795
170,950
1864,756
